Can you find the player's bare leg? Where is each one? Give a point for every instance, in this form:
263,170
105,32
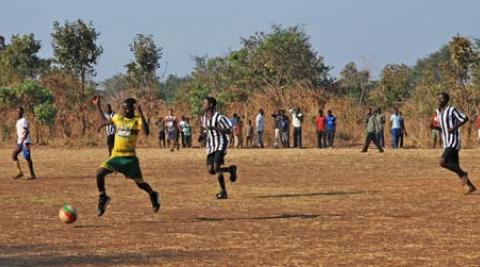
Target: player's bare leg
30,164
103,199
154,198
463,175
15,153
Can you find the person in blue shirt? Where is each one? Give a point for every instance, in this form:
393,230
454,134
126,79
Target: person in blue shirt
331,123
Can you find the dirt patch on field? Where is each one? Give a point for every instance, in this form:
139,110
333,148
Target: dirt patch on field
289,208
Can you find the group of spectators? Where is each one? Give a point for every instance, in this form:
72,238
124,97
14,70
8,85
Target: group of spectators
284,125
172,132
375,129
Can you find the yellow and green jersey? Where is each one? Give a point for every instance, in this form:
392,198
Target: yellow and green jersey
126,135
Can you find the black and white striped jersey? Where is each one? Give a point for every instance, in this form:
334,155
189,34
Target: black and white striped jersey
216,141
110,127
448,117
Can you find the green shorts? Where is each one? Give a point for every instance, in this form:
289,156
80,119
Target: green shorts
129,166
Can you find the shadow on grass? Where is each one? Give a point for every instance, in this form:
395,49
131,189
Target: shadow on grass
269,217
336,193
91,226
45,255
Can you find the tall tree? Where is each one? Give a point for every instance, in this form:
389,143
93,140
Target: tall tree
142,71
19,59
354,82
75,48
396,85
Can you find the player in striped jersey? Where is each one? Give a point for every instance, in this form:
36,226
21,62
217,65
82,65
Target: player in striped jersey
110,129
450,120
218,129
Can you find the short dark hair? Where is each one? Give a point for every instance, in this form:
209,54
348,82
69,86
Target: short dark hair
211,101
21,109
130,101
444,94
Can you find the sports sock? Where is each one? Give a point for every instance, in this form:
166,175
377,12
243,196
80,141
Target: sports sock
221,181
101,185
226,169
145,187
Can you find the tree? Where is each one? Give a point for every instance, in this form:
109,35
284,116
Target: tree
396,85
116,86
354,83
35,98
75,48
142,71
19,60
283,57
169,88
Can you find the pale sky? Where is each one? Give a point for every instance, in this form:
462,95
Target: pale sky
371,33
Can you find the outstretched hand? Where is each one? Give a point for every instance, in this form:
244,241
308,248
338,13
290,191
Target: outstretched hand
96,99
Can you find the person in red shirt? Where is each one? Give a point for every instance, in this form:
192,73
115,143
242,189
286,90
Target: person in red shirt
436,130
321,132
476,120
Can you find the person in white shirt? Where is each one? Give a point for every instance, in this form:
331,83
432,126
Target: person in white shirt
23,145
297,120
182,124
172,130
396,128
260,125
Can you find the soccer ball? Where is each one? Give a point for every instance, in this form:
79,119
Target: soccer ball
68,214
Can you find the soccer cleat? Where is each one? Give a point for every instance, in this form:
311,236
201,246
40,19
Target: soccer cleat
32,178
103,202
155,199
233,173
19,175
471,189
222,195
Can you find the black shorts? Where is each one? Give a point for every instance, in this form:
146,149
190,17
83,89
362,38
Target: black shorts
450,155
216,157
111,140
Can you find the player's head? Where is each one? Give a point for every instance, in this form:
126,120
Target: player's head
209,104
320,112
170,112
109,108
329,112
260,111
128,107
443,99
395,110
20,112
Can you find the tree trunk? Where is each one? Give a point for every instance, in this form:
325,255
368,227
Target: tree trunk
81,100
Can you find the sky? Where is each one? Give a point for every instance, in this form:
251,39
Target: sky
371,33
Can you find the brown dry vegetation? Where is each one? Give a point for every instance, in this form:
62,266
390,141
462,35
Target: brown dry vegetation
289,208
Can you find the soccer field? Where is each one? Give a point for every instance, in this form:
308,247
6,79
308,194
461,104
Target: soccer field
288,208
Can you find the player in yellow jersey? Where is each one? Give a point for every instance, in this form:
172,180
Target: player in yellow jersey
124,159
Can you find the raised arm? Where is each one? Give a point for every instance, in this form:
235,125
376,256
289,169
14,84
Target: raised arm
145,128
104,121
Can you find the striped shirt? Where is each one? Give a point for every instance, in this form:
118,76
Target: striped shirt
447,118
110,127
216,141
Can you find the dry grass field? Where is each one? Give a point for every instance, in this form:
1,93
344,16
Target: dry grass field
288,208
